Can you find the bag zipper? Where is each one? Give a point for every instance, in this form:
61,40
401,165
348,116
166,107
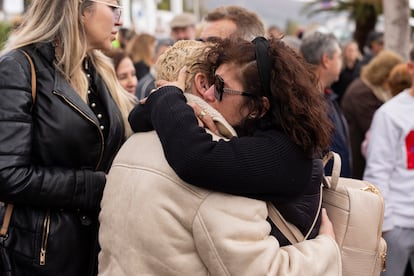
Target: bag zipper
45,235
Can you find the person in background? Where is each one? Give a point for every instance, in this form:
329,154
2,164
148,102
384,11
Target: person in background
183,27
124,69
124,36
362,98
373,46
147,82
399,80
293,42
351,68
232,21
141,49
56,150
234,228
274,32
390,165
324,53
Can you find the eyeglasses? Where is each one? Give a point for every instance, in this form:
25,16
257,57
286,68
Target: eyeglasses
219,89
116,9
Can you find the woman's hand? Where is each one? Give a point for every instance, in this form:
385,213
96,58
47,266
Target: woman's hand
326,225
179,83
204,120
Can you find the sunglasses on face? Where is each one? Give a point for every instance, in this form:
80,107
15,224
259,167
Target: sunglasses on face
219,89
116,9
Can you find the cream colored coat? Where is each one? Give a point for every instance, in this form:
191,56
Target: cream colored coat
153,223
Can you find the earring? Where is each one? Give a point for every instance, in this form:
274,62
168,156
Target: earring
251,116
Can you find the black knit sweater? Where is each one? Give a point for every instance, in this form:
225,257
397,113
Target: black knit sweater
265,166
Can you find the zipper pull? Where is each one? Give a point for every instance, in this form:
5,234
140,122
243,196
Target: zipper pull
42,256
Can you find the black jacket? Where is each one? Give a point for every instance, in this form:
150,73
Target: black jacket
53,161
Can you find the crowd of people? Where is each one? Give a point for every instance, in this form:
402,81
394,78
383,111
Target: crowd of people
161,156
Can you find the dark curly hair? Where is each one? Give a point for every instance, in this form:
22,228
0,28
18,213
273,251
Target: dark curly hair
296,105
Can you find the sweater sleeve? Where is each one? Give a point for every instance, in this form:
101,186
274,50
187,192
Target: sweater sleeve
267,166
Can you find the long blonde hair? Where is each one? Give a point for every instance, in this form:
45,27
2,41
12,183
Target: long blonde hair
60,20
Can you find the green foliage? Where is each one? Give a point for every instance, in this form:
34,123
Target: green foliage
164,5
358,9
5,29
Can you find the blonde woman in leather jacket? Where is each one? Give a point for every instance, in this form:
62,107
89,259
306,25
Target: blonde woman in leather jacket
55,152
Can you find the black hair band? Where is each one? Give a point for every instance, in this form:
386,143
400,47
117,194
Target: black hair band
264,63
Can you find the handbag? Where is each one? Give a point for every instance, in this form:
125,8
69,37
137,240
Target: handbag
5,263
356,210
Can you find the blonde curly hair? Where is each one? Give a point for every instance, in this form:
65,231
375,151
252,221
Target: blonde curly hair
190,53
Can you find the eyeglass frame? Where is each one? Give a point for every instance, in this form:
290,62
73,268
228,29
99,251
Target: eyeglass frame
219,89
116,9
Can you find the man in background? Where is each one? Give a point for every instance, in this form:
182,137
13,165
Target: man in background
226,21
183,27
324,52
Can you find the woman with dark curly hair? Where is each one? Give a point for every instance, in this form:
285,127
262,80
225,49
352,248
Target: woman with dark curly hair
266,91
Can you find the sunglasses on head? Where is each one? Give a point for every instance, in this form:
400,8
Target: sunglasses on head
219,89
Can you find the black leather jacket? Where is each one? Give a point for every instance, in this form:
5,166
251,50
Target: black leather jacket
53,161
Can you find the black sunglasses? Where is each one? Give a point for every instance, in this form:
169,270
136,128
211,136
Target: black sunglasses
219,89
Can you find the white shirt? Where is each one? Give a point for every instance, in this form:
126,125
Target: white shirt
390,159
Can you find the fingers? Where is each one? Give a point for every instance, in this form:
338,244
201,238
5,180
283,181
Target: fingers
326,225
208,122
204,120
180,82
182,76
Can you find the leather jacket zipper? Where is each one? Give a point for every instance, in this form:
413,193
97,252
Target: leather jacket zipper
45,235
92,121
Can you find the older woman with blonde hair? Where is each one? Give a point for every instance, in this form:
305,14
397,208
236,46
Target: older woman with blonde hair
57,147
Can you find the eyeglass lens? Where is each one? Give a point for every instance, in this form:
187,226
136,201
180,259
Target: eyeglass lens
218,87
117,13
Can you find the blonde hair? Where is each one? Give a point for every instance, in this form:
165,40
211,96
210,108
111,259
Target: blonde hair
141,48
190,53
379,68
400,78
60,21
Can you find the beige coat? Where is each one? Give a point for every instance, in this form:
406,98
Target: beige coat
153,223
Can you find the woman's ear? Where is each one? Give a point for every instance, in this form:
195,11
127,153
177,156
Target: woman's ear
266,106
201,83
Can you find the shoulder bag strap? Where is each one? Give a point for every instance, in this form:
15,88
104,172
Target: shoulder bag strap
289,230
32,68
9,208
6,221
